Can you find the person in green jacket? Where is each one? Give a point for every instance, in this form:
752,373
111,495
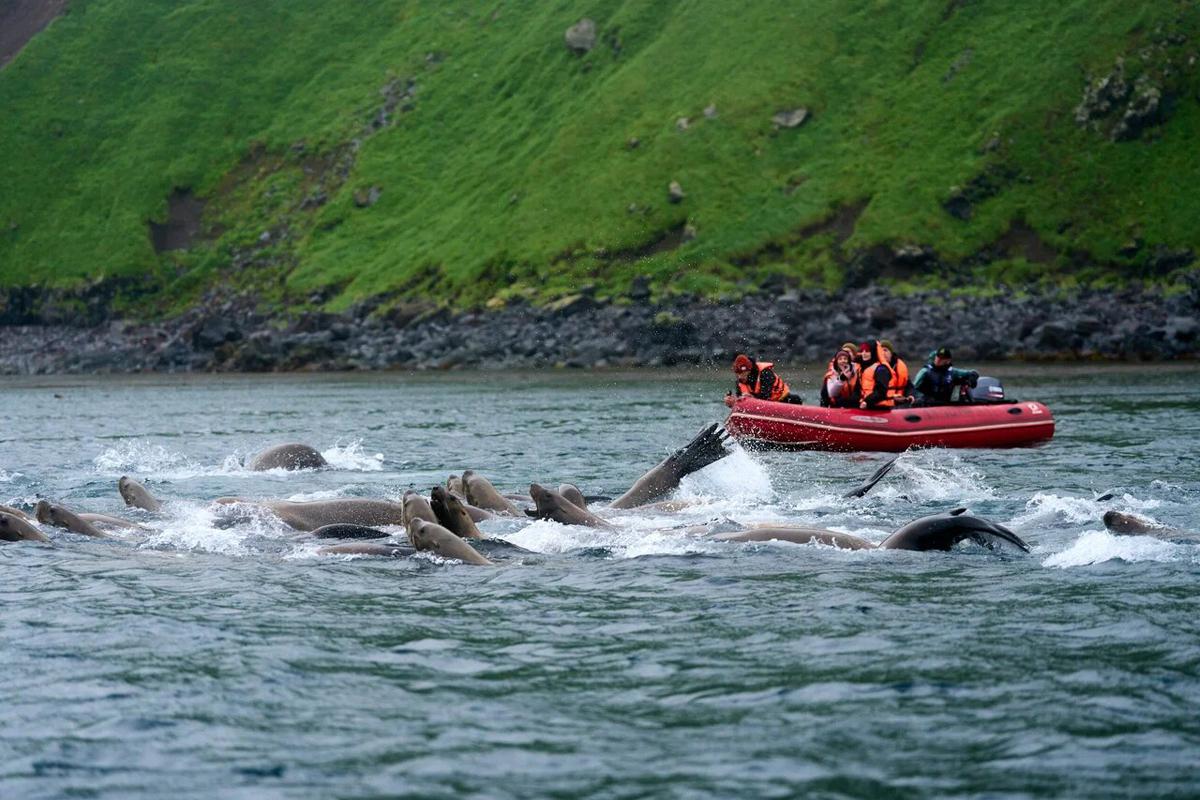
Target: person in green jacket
937,380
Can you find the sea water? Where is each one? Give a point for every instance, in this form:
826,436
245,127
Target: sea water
198,659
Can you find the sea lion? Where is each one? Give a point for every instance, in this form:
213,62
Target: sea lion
367,549
434,538
481,493
1131,525
417,507
310,515
136,495
943,531
452,515
573,495
342,530
552,505
19,529
455,485
934,532
288,456
706,448
871,481
15,512
116,522
798,535
61,517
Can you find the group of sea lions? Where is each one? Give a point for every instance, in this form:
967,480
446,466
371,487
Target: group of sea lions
445,523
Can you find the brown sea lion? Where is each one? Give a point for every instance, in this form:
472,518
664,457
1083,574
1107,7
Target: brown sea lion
19,529
417,507
116,522
1132,525
798,535
288,456
434,538
934,532
452,515
552,505
481,493
664,477
136,495
455,485
61,517
310,515
573,495
16,512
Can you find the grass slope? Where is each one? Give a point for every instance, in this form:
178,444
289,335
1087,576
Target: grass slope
503,167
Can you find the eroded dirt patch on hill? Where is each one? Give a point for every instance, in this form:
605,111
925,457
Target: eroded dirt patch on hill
21,20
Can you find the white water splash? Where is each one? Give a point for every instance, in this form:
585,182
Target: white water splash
1095,547
194,528
1044,508
737,478
8,477
936,475
140,457
351,457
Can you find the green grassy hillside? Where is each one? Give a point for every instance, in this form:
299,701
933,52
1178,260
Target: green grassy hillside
461,151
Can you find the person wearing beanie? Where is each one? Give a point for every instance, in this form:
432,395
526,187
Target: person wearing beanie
839,389
938,378
758,379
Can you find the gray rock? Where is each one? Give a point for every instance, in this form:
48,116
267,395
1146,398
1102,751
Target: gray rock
581,37
675,193
793,118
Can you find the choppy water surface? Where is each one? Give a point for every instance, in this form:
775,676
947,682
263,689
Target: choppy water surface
199,661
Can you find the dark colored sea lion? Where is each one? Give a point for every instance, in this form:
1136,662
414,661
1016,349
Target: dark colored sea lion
342,530
288,456
1132,525
552,505
572,493
434,538
664,477
943,531
19,529
452,515
137,495
367,549
61,517
481,493
871,481
934,532
308,516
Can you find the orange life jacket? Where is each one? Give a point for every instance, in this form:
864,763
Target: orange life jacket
866,382
896,389
778,391
849,385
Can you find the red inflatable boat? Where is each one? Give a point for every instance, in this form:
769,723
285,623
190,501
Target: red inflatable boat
761,422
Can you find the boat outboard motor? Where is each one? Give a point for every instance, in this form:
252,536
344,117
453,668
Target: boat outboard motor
987,390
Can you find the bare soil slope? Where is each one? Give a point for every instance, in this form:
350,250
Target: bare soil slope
21,20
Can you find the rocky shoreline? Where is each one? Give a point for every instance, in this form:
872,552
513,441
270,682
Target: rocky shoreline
581,331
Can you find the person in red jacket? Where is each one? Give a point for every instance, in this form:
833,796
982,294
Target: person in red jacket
758,379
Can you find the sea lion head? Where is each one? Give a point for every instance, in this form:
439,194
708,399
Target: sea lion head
46,512
1117,522
544,499
417,507
136,495
15,529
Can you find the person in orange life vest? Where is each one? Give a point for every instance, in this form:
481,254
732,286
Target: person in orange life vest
900,389
758,379
876,377
840,387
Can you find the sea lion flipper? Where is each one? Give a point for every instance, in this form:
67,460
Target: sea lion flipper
874,479
955,512
706,448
